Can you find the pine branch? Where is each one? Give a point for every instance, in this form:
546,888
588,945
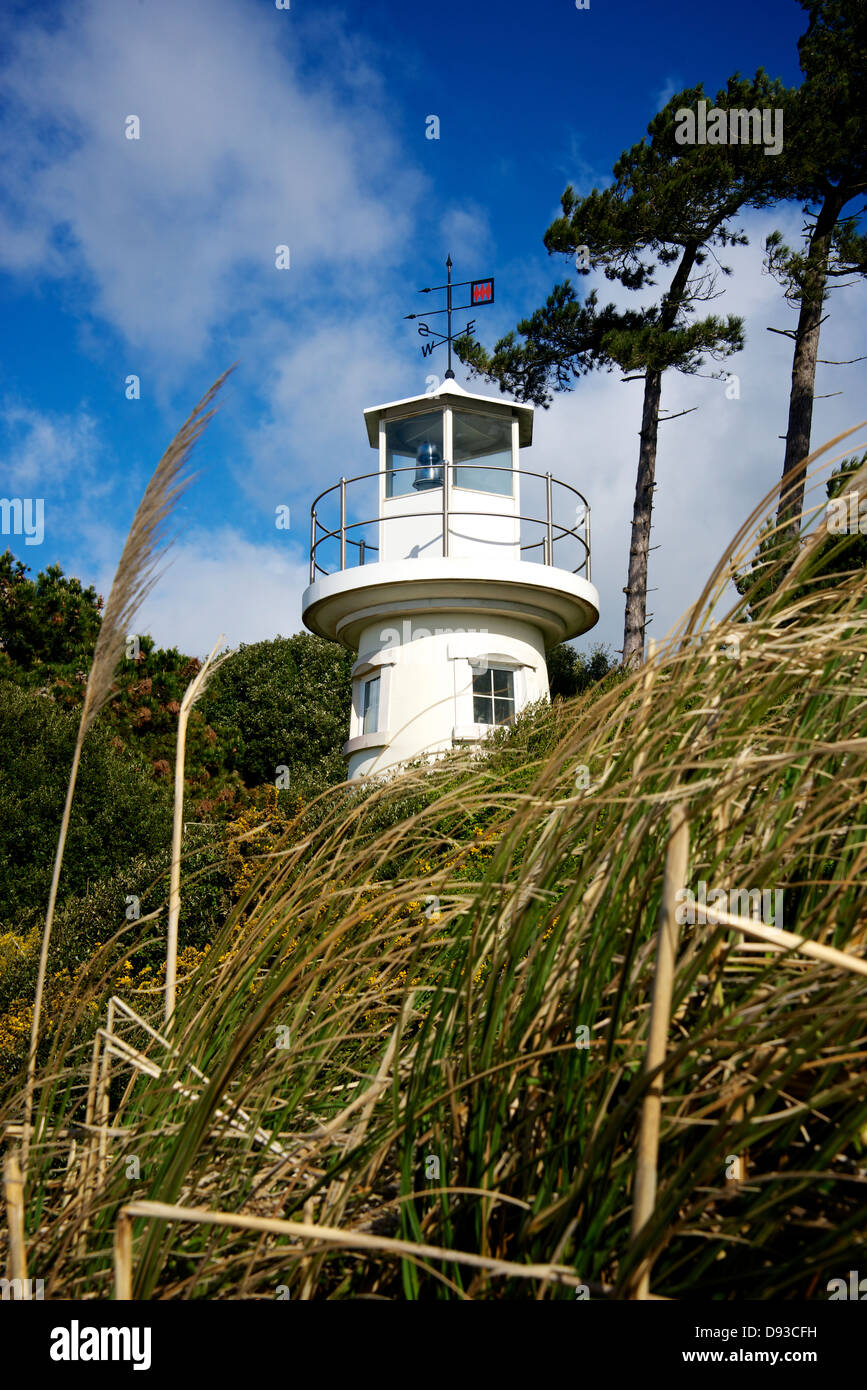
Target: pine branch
663,419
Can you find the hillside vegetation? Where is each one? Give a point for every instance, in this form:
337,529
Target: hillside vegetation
418,1033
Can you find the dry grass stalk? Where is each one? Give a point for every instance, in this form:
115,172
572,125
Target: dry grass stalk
102,1098
644,1198
123,1257
740,551
14,1189
114,1046
647,697
90,1152
191,695
304,1230
136,575
857,482
787,941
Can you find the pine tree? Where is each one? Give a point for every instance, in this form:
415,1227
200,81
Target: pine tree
673,203
825,164
48,626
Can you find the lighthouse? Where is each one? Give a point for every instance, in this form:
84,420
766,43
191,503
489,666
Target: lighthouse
448,568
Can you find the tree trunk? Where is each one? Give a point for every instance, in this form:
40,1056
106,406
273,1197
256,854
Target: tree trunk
636,583
804,368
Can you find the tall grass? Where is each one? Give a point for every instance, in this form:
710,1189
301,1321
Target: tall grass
137,572
386,1037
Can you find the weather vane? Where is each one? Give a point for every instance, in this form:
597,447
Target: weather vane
481,292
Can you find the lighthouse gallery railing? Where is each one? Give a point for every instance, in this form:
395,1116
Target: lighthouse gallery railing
553,531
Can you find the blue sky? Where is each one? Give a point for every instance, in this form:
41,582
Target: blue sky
306,127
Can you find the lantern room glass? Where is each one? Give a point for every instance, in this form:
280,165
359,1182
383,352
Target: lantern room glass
482,439
403,439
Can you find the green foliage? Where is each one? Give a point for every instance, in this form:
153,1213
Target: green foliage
48,626
48,632
143,713
117,812
669,204
571,672
283,702
564,340
287,703
104,934
777,549
825,147
796,270
667,197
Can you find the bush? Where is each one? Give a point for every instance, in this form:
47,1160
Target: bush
571,672
118,812
288,702
48,626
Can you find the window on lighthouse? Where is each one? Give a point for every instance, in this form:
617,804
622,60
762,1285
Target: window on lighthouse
493,697
483,452
403,441
370,706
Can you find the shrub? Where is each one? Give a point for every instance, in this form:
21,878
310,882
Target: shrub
289,702
118,811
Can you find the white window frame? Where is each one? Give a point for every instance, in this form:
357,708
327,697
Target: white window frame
487,668
374,663
466,730
370,708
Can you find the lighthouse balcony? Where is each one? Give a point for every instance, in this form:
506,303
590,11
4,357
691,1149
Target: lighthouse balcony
441,510
484,544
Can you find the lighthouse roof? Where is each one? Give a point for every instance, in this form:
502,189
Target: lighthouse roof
450,388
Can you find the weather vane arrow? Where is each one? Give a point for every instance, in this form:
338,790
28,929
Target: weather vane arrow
481,292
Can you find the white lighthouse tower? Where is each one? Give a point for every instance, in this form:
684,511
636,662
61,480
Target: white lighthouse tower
448,568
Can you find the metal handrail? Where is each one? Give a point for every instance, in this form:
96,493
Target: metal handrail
490,467
448,512
403,516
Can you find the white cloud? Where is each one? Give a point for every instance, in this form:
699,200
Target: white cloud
317,391
466,232
41,450
222,582
238,153
666,92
